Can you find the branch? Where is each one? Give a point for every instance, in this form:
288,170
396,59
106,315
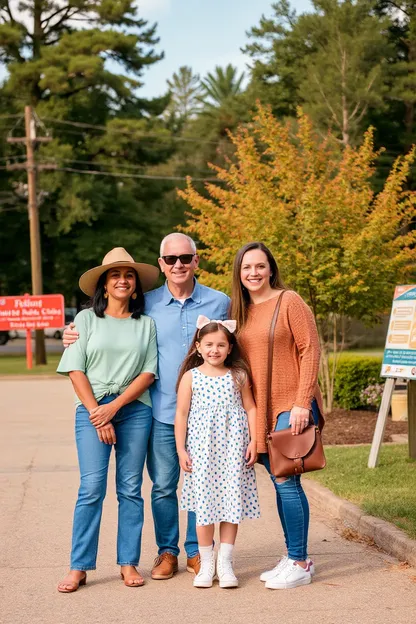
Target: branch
355,111
399,8
66,16
363,112
9,11
74,91
326,101
48,19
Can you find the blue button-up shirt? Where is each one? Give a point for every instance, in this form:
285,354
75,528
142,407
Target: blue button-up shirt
175,329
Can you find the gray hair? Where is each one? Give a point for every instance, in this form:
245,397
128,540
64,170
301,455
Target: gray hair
174,235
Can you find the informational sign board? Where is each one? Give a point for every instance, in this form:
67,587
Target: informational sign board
32,312
399,358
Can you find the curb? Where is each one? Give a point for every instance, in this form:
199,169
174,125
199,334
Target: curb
384,534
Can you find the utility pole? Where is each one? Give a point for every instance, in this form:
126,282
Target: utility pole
30,141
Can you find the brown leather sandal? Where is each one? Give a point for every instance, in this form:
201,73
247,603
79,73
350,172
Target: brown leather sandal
140,580
73,585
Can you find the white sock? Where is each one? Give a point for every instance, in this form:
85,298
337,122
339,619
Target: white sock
205,552
226,550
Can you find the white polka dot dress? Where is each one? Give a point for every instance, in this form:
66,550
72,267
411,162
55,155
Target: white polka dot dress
220,487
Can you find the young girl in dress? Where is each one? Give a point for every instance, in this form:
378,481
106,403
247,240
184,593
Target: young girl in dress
216,442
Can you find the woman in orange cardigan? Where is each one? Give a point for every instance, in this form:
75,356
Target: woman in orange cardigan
295,392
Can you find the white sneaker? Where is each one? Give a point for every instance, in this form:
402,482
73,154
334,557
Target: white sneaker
206,574
225,572
290,575
269,574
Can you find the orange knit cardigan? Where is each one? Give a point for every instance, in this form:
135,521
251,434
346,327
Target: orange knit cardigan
295,364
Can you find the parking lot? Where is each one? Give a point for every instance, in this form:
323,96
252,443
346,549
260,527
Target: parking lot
17,346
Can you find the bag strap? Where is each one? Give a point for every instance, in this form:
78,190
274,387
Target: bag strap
270,355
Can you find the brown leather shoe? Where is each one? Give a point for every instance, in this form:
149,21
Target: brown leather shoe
165,566
193,564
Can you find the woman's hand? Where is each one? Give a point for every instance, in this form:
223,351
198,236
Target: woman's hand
102,414
70,335
107,434
251,454
185,461
299,419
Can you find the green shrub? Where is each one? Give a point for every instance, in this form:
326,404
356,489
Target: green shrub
354,374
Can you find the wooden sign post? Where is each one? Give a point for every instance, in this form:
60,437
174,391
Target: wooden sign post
399,361
411,417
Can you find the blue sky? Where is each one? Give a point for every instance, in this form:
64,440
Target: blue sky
202,34
198,33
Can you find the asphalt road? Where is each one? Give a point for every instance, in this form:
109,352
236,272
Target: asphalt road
354,583
17,346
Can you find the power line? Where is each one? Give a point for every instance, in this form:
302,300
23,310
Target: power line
104,164
13,157
15,209
79,124
132,175
125,175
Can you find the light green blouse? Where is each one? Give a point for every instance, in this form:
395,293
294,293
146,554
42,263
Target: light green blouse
111,352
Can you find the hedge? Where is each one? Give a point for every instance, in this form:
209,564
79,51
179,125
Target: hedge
354,374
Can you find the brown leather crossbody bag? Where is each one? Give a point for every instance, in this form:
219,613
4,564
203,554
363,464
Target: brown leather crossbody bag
289,454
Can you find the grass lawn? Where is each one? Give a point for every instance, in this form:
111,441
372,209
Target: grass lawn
376,352
388,491
16,365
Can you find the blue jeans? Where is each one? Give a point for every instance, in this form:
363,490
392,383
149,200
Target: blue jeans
132,425
292,504
164,471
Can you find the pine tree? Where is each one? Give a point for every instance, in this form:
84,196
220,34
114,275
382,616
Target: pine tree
330,61
184,87
77,62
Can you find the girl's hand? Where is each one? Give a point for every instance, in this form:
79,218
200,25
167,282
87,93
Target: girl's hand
251,454
102,414
299,419
185,461
107,434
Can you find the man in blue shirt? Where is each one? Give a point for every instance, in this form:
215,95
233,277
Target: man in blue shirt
174,308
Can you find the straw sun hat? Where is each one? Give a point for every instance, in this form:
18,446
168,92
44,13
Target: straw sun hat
118,257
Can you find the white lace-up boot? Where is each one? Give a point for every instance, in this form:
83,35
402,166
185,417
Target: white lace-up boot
206,574
269,574
225,571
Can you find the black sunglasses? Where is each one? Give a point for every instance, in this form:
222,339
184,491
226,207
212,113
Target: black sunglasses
184,258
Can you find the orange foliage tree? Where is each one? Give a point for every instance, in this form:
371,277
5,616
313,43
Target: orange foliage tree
342,246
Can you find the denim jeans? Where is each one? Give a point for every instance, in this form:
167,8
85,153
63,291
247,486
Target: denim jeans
292,504
132,425
164,471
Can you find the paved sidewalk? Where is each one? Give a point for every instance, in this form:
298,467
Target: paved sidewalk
355,583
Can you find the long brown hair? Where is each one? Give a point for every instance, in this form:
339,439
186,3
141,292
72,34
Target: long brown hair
240,297
235,360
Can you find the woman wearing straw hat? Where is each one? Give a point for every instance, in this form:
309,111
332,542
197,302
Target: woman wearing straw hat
111,367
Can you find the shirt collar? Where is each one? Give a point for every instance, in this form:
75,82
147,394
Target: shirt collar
195,296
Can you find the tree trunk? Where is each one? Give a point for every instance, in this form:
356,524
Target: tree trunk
37,29
324,369
410,104
345,115
36,47
330,358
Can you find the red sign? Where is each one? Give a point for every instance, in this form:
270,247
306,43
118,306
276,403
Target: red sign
32,312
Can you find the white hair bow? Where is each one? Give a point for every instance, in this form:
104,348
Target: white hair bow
202,320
